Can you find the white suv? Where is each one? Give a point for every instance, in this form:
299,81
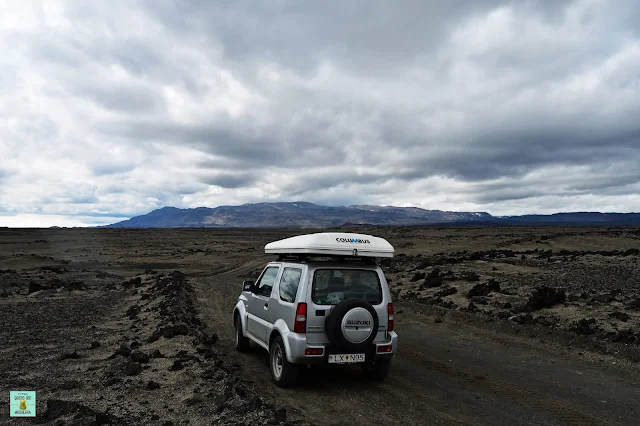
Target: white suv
323,301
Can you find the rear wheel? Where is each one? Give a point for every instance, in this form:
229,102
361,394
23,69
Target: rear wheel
284,373
377,370
242,343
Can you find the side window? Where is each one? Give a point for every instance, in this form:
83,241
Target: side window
289,284
268,279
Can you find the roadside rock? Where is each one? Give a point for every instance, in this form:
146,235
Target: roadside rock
635,304
479,300
156,354
208,339
133,311
433,279
57,408
280,414
624,336
545,297
523,319
470,276
546,321
504,315
622,316
70,384
75,285
169,332
82,415
132,368
484,289
34,286
127,347
417,276
151,385
70,355
446,291
256,402
94,345
585,326
139,356
176,366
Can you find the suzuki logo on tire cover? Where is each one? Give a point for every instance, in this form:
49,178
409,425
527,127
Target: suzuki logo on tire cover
358,322
357,325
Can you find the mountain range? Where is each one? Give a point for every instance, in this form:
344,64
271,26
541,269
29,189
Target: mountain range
309,215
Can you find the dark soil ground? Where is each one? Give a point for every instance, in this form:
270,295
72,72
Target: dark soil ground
505,325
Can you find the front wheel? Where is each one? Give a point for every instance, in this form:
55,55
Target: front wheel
284,373
377,370
242,343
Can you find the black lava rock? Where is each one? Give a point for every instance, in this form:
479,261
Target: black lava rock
255,403
624,336
75,285
280,414
209,339
484,289
586,326
132,368
156,354
70,355
446,291
433,279
139,356
34,286
635,304
504,315
151,385
523,319
546,297
125,349
470,276
418,276
70,384
177,365
622,316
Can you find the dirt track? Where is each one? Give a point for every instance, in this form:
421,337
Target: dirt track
448,373
64,290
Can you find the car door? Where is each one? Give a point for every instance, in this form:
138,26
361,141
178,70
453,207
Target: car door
258,316
283,299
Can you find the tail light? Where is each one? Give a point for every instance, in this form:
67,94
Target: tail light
300,324
390,316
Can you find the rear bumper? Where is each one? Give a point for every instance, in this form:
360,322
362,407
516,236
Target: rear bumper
297,344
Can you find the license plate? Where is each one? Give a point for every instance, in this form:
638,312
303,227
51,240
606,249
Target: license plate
346,358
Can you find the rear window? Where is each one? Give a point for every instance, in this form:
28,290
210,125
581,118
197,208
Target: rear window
332,286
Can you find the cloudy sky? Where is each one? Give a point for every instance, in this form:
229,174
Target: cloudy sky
110,109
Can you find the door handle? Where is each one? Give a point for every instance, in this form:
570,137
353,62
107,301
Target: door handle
266,305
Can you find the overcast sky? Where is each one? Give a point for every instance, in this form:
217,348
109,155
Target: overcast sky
110,109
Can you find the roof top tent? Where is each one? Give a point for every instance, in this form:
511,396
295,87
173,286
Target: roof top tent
332,244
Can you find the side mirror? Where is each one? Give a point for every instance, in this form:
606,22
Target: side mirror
247,285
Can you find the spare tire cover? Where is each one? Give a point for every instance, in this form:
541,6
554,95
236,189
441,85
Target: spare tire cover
352,324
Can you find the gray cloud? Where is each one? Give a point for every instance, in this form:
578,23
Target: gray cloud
508,107
230,181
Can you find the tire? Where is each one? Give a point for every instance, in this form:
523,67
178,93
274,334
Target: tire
242,343
333,322
284,373
378,370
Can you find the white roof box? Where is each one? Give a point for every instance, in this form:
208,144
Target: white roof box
332,244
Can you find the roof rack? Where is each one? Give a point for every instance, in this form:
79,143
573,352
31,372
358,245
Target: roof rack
305,258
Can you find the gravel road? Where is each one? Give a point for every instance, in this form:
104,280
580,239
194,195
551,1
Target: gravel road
446,373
